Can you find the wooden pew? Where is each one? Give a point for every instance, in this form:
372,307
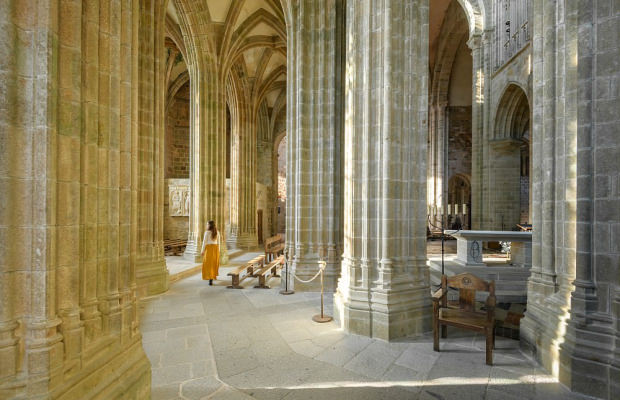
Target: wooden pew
274,246
174,246
271,269
249,268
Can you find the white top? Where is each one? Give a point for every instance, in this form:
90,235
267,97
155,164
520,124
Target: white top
506,236
207,239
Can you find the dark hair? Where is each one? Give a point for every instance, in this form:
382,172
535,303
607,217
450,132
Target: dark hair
211,227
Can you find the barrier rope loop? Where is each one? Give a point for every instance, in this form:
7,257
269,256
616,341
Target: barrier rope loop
322,265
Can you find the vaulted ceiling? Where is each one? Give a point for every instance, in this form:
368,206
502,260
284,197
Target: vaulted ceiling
249,35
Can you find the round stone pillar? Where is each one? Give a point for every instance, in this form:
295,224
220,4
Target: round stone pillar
384,289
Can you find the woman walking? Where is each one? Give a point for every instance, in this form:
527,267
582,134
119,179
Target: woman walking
210,253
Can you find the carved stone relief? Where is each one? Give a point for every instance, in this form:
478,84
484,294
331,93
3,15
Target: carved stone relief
179,197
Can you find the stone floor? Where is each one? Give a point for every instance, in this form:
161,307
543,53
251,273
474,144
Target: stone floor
209,342
178,264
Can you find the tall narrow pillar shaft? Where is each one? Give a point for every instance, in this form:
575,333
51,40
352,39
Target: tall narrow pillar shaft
151,271
384,286
477,131
207,128
314,128
243,166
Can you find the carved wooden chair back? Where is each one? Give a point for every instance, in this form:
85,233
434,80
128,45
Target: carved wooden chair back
467,284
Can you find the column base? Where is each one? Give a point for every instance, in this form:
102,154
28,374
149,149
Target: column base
127,375
409,314
243,241
586,363
152,277
543,326
192,253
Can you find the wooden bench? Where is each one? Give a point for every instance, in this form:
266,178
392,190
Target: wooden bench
271,269
174,246
274,246
254,264
465,316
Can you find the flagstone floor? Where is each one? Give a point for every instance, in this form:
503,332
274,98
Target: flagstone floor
209,342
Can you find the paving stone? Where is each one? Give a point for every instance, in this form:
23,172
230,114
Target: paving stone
196,389
307,348
295,335
170,374
229,393
166,392
336,355
204,368
373,361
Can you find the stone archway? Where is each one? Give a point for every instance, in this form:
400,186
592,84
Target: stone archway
450,109
509,151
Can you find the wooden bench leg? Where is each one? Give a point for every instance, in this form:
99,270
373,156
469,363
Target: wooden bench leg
489,334
261,283
235,283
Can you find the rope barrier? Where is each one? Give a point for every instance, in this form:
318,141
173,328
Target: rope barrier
321,268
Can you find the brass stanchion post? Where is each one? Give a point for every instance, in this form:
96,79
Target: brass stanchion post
322,318
286,289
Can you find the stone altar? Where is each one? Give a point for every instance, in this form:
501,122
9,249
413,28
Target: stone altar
510,276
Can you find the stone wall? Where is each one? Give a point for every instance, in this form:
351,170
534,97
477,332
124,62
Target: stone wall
525,199
177,159
459,140
175,226
176,162
502,156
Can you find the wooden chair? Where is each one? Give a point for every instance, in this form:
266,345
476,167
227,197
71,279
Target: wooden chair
464,315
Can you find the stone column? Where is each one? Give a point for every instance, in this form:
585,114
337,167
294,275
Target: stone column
68,121
589,355
569,324
243,165
545,317
314,127
477,211
151,271
438,175
267,169
207,127
384,289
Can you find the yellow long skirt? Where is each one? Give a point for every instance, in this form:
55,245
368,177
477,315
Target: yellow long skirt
211,262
